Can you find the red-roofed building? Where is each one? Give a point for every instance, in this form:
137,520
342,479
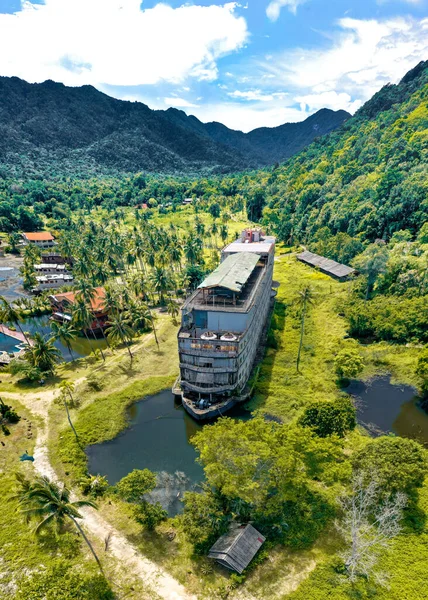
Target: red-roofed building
62,305
42,239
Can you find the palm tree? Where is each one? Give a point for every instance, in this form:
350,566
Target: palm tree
10,314
82,319
88,294
43,354
66,333
173,308
67,389
49,503
304,298
120,330
161,281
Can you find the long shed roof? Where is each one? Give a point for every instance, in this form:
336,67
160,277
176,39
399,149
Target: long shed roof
237,548
233,273
325,264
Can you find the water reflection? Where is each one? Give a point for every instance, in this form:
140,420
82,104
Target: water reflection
383,407
158,438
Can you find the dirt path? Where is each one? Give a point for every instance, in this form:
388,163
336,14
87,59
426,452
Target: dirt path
123,551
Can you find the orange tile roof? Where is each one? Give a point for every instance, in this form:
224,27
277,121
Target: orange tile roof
39,236
97,304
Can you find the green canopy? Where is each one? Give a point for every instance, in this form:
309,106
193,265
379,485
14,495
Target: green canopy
233,273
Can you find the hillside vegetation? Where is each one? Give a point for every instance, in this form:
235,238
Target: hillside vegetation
49,128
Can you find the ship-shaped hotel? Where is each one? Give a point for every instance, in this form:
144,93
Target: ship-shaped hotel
224,323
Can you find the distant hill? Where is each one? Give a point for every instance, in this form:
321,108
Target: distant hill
51,128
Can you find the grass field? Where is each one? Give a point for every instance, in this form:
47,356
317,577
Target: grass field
104,391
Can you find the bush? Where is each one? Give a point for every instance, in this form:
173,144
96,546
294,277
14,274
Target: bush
348,363
422,371
61,582
398,464
328,418
150,515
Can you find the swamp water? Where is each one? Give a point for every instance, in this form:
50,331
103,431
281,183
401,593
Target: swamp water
383,407
158,438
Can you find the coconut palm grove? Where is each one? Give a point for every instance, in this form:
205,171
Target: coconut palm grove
152,445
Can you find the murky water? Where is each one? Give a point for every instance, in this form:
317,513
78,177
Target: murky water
383,407
158,438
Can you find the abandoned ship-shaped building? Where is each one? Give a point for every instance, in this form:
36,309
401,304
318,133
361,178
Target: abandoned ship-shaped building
222,328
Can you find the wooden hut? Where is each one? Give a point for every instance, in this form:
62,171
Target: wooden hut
326,265
236,549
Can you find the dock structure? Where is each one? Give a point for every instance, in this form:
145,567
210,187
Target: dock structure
222,327
326,265
237,548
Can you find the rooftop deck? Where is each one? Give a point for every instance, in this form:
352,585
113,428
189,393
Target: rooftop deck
208,299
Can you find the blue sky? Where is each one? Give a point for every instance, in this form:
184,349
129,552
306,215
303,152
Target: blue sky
247,64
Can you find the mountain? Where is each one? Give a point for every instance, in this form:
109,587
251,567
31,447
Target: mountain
367,180
49,127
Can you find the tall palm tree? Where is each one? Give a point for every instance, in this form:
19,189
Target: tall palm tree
67,389
161,282
66,333
50,504
10,314
81,319
88,294
304,299
120,330
43,354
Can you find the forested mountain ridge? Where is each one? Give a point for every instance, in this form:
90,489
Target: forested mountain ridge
368,179
50,128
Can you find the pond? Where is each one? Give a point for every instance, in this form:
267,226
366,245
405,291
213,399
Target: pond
8,344
80,346
383,407
158,438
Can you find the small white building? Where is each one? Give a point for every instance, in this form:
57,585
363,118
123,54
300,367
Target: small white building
45,282
41,239
51,269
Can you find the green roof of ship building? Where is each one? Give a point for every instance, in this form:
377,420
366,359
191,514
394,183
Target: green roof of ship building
233,273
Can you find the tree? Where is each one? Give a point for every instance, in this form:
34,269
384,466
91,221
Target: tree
367,525
67,389
204,518
10,314
132,489
119,330
328,418
305,298
400,464
133,486
255,204
82,319
13,240
422,371
348,363
66,333
214,210
50,504
372,262
43,354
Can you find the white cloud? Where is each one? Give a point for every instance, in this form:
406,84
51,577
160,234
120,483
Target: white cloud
115,42
363,56
179,102
247,117
274,7
333,100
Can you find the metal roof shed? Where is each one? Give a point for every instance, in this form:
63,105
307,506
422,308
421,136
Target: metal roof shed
233,273
236,549
326,265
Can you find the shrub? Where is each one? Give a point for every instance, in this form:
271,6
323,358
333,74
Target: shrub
348,363
327,418
398,464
